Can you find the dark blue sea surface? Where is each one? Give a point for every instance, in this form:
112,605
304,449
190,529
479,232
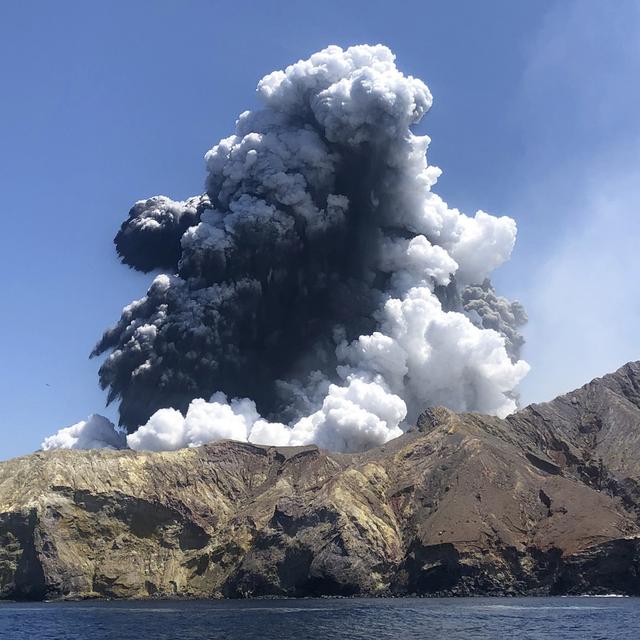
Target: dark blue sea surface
373,619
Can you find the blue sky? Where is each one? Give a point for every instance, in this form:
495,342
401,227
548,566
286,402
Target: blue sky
536,115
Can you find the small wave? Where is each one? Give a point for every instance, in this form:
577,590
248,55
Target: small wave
540,608
606,595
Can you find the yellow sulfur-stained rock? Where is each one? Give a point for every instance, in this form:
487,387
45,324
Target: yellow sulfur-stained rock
545,501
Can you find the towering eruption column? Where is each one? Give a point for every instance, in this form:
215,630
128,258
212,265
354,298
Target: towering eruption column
319,282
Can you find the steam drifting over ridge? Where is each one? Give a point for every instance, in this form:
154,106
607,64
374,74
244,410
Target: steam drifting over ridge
318,282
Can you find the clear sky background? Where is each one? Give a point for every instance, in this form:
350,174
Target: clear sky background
536,115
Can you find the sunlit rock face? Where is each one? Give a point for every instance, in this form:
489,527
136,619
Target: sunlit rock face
545,501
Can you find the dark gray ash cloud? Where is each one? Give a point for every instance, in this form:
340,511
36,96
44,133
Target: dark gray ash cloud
319,290
150,237
497,313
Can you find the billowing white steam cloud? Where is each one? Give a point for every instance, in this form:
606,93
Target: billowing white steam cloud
96,432
319,275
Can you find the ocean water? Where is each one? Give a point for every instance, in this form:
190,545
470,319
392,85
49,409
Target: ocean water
373,619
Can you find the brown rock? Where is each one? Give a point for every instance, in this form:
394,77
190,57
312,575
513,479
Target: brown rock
544,502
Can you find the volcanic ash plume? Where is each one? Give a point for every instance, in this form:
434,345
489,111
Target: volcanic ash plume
319,291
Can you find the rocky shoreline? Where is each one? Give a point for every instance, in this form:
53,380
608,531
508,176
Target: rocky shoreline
545,502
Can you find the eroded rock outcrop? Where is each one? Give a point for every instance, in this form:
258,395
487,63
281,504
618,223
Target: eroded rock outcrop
546,501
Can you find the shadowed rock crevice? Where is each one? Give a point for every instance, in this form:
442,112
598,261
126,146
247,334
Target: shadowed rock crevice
21,572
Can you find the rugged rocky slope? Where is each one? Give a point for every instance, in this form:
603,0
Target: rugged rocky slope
546,501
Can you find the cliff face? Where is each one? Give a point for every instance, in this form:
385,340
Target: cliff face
546,501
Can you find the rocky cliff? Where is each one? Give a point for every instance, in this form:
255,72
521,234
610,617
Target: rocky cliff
544,502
